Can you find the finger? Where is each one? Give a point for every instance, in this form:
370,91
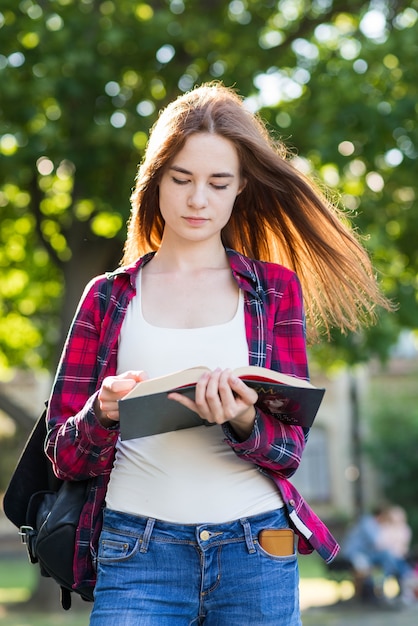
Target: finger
247,394
137,375
113,389
212,399
123,383
212,387
200,404
200,393
120,385
109,408
113,415
184,400
237,399
225,391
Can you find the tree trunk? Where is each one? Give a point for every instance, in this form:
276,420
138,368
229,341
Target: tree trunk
90,258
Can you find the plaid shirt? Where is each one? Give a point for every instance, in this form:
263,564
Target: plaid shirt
81,448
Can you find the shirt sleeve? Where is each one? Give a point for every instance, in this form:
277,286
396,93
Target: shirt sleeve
272,444
289,354
78,446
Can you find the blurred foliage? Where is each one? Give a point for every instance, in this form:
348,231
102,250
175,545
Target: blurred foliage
390,443
81,82
11,445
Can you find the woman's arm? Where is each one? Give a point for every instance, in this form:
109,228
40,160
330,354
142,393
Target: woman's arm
271,443
78,445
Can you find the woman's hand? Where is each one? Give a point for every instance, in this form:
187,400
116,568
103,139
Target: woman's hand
114,388
221,397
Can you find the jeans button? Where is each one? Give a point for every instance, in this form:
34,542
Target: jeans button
204,535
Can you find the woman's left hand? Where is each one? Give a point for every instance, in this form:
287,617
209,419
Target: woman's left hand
222,397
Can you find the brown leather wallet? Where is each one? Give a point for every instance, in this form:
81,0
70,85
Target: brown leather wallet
277,541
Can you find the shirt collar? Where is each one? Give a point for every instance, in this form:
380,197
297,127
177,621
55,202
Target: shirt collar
131,270
244,272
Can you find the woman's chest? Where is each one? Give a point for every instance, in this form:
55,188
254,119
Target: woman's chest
189,301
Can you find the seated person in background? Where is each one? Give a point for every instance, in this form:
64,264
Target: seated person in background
365,548
395,532
396,537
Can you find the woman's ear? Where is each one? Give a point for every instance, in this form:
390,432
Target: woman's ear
242,185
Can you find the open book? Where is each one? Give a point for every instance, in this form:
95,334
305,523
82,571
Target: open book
146,410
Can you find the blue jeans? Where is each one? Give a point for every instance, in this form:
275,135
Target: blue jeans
153,573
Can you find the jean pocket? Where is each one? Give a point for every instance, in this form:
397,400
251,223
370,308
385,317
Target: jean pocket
275,557
117,549
277,543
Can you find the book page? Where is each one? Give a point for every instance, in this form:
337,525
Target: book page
263,373
191,375
166,383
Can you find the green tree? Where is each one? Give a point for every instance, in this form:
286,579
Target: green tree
81,82
392,432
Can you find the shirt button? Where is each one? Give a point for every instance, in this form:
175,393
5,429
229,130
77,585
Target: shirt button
292,502
204,535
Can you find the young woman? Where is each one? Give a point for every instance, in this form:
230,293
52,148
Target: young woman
171,527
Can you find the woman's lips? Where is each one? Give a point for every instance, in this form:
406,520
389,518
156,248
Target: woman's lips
196,221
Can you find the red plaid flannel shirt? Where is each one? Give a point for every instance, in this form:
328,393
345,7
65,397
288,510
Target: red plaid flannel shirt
80,448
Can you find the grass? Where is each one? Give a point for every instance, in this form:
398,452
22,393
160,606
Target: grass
312,566
17,580
12,618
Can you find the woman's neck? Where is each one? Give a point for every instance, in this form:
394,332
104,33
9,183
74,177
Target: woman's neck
203,255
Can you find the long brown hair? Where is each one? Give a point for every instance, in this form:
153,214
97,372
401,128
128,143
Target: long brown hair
280,216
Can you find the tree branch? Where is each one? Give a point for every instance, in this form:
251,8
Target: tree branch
16,412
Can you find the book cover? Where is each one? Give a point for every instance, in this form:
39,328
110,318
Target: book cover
146,410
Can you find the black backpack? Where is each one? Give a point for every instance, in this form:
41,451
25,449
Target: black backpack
47,510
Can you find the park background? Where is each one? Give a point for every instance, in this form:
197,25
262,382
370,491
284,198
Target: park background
81,83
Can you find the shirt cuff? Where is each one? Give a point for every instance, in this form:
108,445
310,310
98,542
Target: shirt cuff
231,438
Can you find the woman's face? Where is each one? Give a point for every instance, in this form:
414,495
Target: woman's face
198,188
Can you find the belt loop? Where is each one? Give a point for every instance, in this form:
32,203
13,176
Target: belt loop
147,534
248,536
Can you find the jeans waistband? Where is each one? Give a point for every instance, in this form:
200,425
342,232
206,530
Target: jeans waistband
205,535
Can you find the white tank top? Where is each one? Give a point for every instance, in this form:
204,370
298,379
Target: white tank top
192,475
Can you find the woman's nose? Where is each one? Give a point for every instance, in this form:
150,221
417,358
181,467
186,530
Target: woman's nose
198,197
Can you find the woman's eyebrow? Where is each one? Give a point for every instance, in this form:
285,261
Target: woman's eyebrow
182,170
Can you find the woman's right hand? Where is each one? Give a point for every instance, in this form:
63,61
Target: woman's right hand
113,389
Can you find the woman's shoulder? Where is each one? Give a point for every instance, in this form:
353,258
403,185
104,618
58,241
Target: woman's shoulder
260,270
119,276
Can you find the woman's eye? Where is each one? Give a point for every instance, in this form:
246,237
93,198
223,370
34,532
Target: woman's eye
185,181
